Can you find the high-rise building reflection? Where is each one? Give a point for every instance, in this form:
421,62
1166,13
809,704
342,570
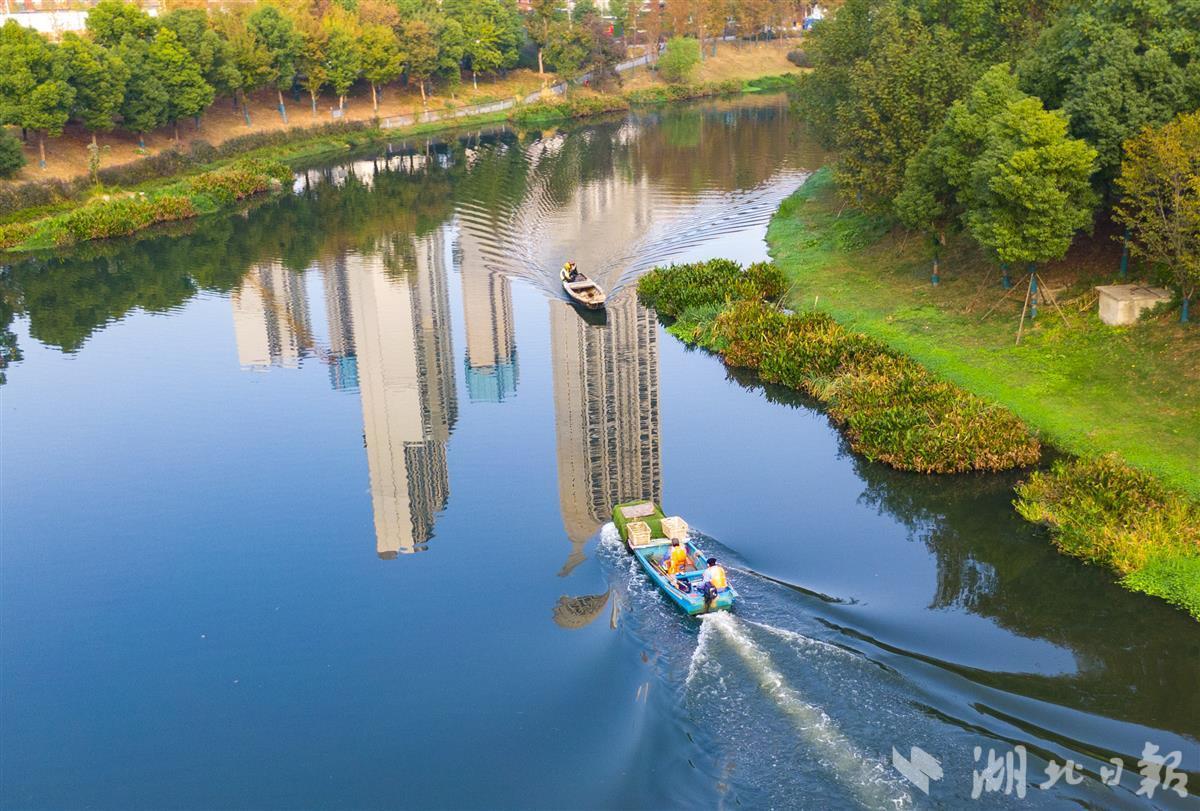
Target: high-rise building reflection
270,318
343,361
389,337
491,355
606,411
402,351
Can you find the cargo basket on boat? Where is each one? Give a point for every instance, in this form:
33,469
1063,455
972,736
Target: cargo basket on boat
639,533
675,528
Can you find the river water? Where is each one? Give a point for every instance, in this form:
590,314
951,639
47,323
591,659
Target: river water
308,506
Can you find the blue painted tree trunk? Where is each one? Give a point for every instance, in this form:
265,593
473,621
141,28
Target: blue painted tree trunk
1125,256
1033,291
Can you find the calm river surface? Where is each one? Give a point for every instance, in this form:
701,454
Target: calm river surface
308,506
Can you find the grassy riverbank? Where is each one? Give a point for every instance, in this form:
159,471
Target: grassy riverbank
1087,388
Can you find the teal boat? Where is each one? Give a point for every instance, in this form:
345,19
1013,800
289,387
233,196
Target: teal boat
647,533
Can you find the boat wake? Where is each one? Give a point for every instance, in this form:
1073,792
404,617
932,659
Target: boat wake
766,741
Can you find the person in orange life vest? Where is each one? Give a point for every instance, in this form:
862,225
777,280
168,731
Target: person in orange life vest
678,558
713,581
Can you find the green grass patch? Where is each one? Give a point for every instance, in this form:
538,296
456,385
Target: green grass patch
772,84
654,521
1083,386
1104,511
892,409
662,93
676,288
572,106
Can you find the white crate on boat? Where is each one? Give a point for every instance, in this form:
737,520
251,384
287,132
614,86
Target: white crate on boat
675,528
639,533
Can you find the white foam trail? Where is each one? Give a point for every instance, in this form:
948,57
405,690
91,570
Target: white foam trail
801,640
850,767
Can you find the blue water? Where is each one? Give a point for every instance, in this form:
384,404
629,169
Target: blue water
306,507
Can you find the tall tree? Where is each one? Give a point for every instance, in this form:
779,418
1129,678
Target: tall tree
1116,66
212,52
279,36
312,58
250,56
1160,199
896,98
33,84
98,76
187,92
569,50
144,106
540,23
419,43
110,20
382,59
452,42
481,50
937,182
343,55
1032,188
678,15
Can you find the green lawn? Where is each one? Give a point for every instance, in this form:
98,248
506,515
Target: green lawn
1085,387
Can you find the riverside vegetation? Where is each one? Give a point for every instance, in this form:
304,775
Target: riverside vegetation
44,214
120,216
892,410
897,412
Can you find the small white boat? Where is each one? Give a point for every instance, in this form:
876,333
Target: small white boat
584,292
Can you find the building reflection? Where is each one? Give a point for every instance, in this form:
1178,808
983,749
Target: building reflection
389,337
491,355
270,318
607,417
402,350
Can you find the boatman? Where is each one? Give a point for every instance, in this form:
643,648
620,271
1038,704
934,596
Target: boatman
569,273
714,581
678,559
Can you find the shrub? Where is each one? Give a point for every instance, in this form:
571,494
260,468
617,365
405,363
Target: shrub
679,60
16,197
1103,511
799,58
163,164
893,410
574,107
12,156
674,289
240,179
121,216
14,234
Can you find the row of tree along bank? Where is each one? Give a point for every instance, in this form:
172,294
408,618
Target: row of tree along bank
896,412
141,73
55,212
1021,123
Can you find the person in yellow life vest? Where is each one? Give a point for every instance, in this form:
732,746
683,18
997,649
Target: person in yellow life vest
713,581
677,560
569,273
